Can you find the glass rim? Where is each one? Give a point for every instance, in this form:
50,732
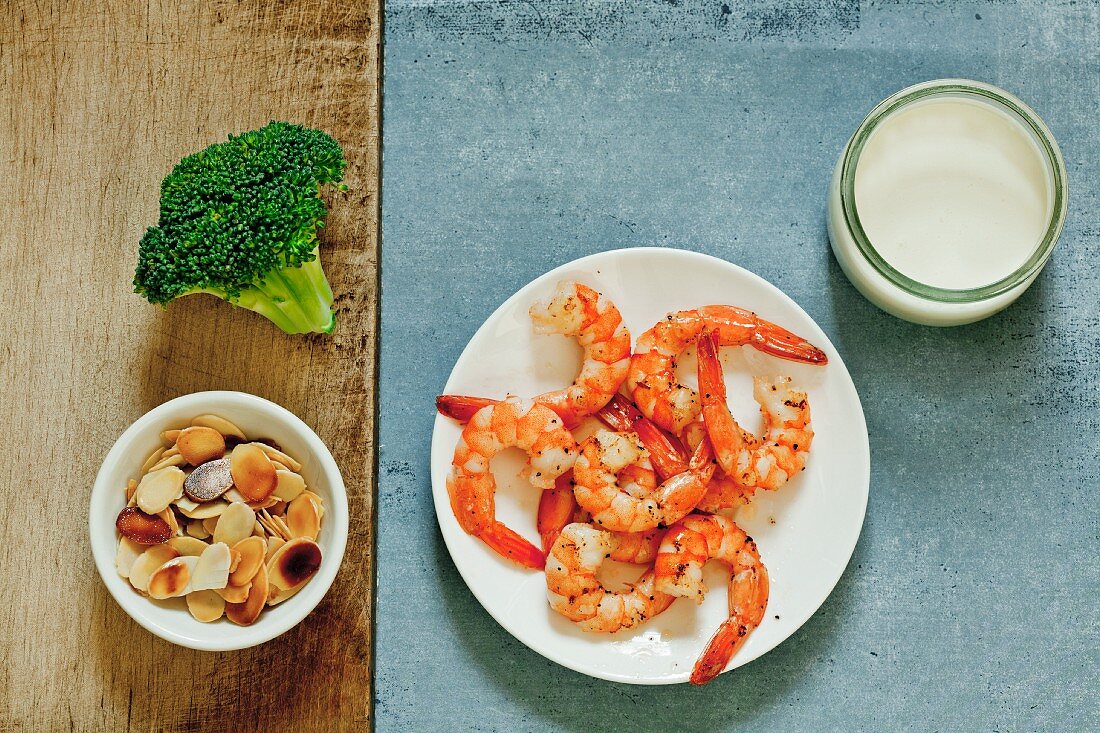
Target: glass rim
1002,99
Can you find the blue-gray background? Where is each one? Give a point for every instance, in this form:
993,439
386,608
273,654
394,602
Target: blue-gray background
519,135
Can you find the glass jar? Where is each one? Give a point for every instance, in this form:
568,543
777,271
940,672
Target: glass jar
880,280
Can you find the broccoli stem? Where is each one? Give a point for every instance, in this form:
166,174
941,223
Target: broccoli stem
297,299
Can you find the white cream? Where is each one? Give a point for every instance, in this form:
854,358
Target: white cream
953,190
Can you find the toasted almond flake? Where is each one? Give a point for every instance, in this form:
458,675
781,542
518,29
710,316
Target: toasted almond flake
131,488
220,424
176,460
152,460
253,474
147,563
281,525
234,495
212,570
168,437
277,509
288,485
196,529
277,595
233,593
294,563
209,510
173,451
186,504
205,605
188,546
211,523
275,525
265,504
244,614
199,445
303,517
142,528
209,481
234,559
251,551
169,518
279,466
278,455
273,545
258,529
158,489
234,524
173,578
128,553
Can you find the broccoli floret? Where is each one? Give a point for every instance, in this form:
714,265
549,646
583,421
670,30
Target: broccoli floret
239,220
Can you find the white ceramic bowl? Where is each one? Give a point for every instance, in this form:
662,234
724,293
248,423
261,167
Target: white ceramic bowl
258,418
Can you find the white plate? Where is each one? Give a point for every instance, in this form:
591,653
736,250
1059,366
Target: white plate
806,532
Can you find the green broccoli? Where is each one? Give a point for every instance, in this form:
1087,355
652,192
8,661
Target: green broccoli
239,220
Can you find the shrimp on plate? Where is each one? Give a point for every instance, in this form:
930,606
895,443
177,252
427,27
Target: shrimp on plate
471,487
618,500
723,492
651,378
766,462
575,592
678,571
579,311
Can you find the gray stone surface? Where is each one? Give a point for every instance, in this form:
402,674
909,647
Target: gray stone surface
518,136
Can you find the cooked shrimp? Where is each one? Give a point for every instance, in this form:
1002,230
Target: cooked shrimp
574,310
558,507
629,506
551,449
575,592
766,462
679,572
651,378
666,452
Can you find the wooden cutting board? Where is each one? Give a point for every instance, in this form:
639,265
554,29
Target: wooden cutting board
99,100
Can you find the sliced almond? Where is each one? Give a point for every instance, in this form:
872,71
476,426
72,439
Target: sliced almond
278,455
233,593
234,495
258,529
281,525
252,551
234,524
199,445
253,474
142,528
288,485
278,465
209,510
158,489
234,559
220,424
188,546
196,529
168,437
209,481
273,545
131,489
243,614
152,460
205,605
173,578
173,451
148,563
169,518
277,508
128,553
294,563
265,504
277,595
211,523
212,570
176,460
303,517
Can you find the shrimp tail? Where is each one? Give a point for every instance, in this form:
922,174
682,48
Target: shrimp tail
778,341
712,388
556,509
667,453
511,545
720,650
460,407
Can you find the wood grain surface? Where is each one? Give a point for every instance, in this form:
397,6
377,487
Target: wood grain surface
99,100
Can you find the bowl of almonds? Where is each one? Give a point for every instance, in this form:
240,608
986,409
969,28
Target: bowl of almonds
218,520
